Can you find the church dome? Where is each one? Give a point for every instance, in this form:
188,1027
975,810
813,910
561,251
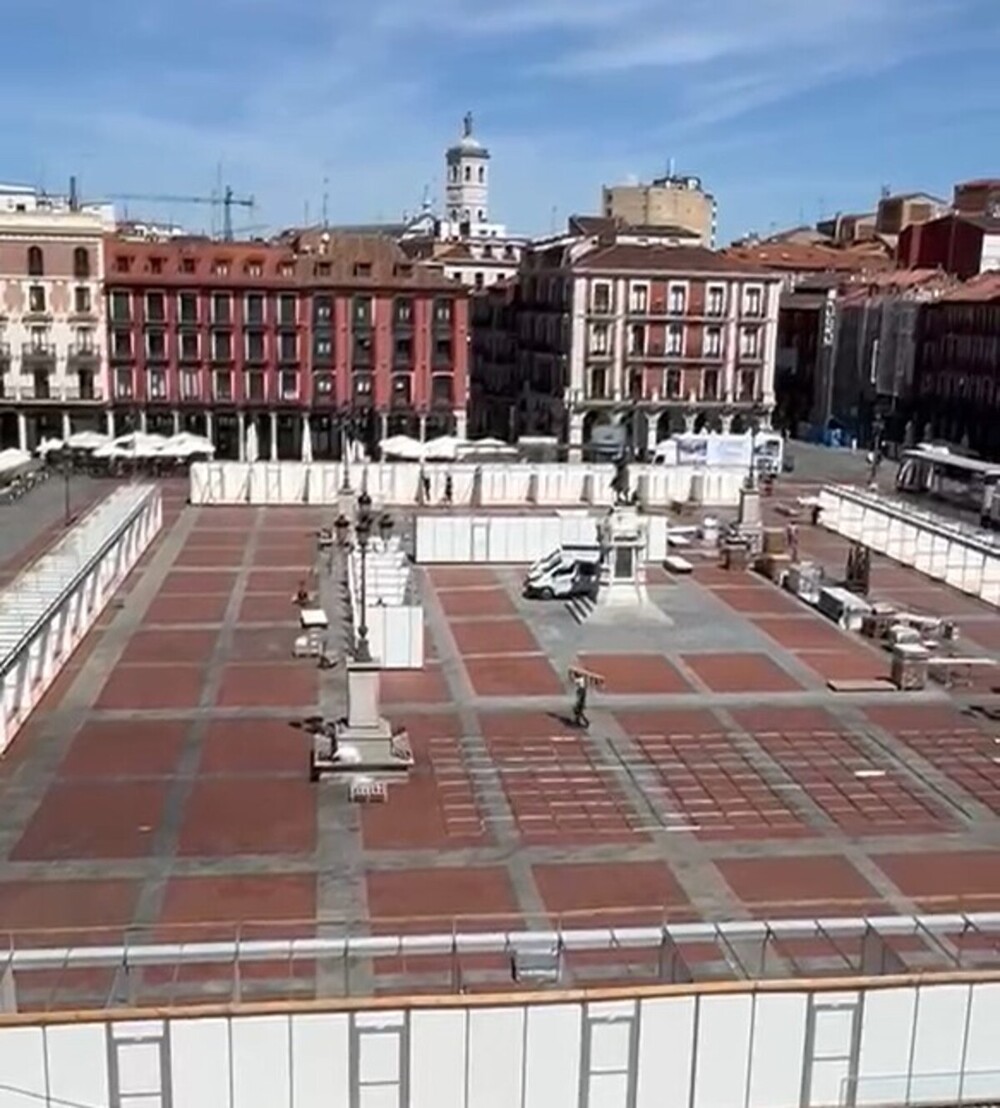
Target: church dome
468,145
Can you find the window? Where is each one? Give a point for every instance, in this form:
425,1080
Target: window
156,346
254,386
675,340
222,346
123,384
401,390
750,342
81,263
156,266
223,385
402,353
441,390
36,262
672,384
677,299
402,311
121,344
362,269
288,347
442,352
608,1049
83,340
638,299
600,338
81,300
716,299
753,302
748,385
710,384
156,311
286,269
254,308
220,267
187,307
362,386
190,384
478,281
123,263
637,339
322,310
598,383
713,342
322,269
288,309
189,346
468,172
39,339
121,307
362,349
601,297
636,384
254,269
289,383
36,299
480,214
255,346
322,348
188,265
442,311
482,174
157,383
453,173
222,308
323,384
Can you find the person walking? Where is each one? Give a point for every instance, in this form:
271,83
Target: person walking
580,701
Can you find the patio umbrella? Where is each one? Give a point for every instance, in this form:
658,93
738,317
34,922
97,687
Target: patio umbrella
402,446
49,446
444,448
87,440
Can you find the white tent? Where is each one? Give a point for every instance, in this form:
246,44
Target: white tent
87,440
187,445
13,459
442,449
253,443
403,447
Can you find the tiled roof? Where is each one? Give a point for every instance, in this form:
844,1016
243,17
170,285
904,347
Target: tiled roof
984,288
654,258
804,257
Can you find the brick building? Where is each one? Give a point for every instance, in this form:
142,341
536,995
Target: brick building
52,365
957,381
963,245
653,338
332,332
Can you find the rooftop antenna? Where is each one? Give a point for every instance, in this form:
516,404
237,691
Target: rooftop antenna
326,202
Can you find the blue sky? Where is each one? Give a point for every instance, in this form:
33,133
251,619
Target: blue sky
784,107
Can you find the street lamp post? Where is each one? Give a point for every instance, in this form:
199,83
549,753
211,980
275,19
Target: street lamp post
363,531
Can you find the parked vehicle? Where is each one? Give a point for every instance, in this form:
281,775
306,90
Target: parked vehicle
565,580
567,555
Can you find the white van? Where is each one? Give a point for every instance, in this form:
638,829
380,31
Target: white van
565,580
567,555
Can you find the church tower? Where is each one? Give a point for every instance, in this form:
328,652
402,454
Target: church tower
467,193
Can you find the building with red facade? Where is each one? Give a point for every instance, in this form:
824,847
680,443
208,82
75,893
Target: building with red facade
647,337
962,245
334,333
957,381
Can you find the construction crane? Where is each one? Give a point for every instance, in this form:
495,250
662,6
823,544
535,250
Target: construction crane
227,200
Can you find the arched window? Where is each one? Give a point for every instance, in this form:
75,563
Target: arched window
482,174
480,215
468,172
36,262
81,263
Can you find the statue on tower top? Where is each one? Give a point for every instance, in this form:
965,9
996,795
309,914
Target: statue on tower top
467,125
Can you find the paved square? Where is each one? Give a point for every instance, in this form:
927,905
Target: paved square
856,664
93,820
253,746
705,784
262,644
759,599
461,577
805,632
946,881
187,609
249,816
149,687
125,749
475,602
635,673
284,582
195,555
475,897
559,793
513,676
792,886
494,636
292,684
165,647
633,894
726,673
67,911
205,908
409,686
197,582
270,608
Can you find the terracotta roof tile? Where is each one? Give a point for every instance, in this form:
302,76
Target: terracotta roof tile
654,258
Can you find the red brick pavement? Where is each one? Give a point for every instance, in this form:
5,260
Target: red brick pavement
513,676
230,816
150,687
497,636
792,886
739,672
125,749
475,602
635,673
269,685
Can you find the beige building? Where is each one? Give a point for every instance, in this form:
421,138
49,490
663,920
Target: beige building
904,209
672,201
53,364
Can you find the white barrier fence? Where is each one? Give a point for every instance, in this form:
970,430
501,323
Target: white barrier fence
46,611
516,539
777,1046
395,621
488,485
938,547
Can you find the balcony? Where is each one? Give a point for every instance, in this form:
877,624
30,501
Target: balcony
38,357
85,357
